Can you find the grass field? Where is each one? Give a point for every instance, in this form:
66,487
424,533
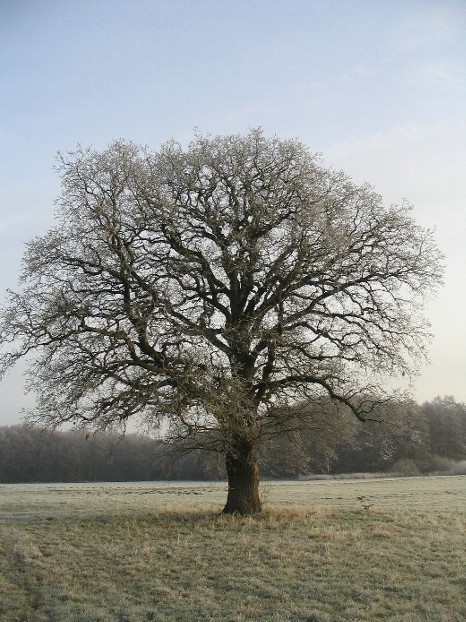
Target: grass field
391,549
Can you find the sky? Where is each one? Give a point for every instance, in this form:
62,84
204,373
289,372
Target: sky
377,86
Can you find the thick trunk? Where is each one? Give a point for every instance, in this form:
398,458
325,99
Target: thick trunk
243,479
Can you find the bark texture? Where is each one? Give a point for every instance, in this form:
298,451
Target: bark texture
243,480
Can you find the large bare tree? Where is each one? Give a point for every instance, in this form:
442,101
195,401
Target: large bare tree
209,289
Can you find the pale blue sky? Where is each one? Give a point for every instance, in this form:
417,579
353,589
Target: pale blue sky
377,86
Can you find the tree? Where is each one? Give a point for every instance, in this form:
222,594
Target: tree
376,447
209,289
446,421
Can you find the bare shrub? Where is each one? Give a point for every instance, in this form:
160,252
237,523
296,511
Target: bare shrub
405,467
439,464
458,469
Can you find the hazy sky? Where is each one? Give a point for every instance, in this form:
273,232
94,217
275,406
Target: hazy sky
377,86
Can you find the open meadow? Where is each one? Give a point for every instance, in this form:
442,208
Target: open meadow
326,551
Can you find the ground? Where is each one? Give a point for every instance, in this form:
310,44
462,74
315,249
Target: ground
325,551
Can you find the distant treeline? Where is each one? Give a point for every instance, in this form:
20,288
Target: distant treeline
417,439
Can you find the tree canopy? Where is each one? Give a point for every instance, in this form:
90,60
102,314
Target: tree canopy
210,289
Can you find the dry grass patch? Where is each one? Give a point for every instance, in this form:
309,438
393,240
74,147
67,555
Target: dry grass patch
118,561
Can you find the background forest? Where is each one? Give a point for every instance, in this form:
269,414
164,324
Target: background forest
419,439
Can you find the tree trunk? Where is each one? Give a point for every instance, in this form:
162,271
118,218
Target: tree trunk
243,479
